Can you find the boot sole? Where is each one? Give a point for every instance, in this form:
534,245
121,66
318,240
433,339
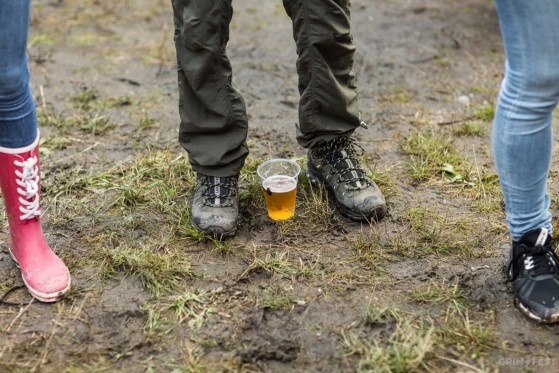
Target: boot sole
215,233
40,296
317,179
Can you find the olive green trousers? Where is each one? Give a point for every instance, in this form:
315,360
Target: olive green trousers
214,124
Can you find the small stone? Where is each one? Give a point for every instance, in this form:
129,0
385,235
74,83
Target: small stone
464,100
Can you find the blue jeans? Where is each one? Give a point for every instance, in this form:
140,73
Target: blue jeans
522,134
18,120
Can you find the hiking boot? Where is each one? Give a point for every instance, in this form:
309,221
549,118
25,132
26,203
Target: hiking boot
215,208
335,165
534,271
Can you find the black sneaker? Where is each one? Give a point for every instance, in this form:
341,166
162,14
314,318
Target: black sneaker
534,271
335,165
215,208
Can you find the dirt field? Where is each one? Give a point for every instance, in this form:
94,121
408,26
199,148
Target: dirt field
423,290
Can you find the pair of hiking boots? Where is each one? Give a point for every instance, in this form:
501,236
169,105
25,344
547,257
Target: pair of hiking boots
215,208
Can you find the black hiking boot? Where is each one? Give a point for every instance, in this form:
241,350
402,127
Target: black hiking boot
215,208
534,271
335,165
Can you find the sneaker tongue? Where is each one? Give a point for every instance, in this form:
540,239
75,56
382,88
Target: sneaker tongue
538,237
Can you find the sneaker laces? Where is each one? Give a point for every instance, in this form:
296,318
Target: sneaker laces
540,260
341,153
218,188
28,180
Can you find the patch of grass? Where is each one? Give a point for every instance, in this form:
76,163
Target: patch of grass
485,113
470,339
400,96
94,124
434,233
160,272
421,342
153,318
88,122
443,62
98,364
376,314
434,155
56,142
431,231
41,39
470,129
122,101
272,262
381,177
87,99
276,300
453,326
186,308
404,350
147,122
314,205
157,180
369,250
193,306
280,262
250,192
440,293
88,39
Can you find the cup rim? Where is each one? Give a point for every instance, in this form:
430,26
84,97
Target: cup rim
297,167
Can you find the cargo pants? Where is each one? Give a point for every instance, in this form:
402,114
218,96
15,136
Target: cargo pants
214,124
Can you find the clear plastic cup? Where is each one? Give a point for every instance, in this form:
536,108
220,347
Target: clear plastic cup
279,181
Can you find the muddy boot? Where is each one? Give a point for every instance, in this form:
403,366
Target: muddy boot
215,208
44,274
534,272
335,165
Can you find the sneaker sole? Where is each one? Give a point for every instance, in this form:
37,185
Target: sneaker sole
526,311
316,179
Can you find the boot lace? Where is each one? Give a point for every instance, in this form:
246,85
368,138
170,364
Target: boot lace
540,260
342,153
28,180
219,189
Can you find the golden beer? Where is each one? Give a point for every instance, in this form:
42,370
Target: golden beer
280,192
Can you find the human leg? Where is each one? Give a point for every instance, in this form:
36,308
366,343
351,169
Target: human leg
18,124
522,137
214,124
328,107
522,147
44,274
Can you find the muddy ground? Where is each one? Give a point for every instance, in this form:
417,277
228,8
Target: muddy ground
422,290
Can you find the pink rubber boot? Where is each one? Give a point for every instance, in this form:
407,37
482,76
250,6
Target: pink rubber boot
44,274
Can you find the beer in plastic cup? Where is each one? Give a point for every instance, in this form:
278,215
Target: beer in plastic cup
279,181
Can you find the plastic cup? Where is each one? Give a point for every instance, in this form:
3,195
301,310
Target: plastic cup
279,181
